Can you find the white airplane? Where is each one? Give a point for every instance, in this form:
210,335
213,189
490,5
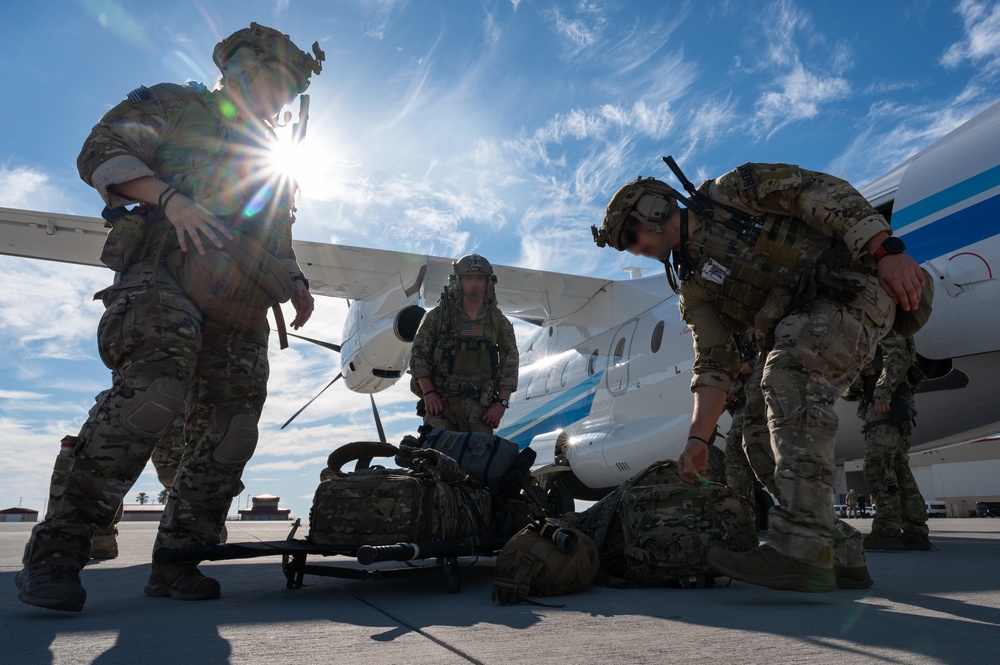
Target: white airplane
604,380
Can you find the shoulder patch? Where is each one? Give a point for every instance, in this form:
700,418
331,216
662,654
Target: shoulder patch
747,176
139,95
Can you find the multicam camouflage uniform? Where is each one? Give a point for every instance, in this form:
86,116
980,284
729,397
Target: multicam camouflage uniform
821,312
739,474
469,386
890,379
161,349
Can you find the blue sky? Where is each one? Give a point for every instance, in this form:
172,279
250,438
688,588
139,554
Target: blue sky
447,126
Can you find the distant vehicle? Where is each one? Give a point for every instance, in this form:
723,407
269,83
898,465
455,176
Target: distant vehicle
987,508
936,509
840,510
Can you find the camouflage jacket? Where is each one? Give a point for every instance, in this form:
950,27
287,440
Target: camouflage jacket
181,135
822,211
427,361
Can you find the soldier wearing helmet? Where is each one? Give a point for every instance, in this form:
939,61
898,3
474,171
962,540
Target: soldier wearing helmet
185,330
806,262
464,361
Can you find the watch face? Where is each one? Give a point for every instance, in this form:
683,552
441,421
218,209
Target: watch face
894,245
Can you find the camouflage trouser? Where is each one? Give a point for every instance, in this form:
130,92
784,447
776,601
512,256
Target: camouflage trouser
887,470
461,414
739,476
154,341
817,354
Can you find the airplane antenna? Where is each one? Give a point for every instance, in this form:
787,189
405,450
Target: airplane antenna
634,272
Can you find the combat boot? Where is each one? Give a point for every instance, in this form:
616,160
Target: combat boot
181,581
766,566
883,541
52,582
916,541
104,547
855,577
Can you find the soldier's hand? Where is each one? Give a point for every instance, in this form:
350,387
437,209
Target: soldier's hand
493,414
902,279
433,404
191,221
693,461
882,408
303,303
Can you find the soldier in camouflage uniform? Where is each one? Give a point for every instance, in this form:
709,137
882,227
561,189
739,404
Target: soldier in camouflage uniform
464,361
803,259
196,161
885,390
739,474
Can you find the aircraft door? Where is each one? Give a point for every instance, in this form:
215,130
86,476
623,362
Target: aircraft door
618,359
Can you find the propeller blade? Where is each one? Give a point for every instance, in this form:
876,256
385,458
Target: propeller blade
339,376
378,421
326,345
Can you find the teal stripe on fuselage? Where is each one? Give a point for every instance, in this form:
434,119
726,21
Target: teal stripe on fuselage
947,197
571,406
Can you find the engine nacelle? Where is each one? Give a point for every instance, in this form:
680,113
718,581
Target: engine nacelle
378,336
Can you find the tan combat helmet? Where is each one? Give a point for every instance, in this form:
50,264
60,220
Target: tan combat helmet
271,45
647,200
472,264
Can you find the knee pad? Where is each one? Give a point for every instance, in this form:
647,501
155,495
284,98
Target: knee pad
151,413
238,443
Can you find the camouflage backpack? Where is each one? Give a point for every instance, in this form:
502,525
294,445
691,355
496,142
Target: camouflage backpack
433,500
655,528
549,557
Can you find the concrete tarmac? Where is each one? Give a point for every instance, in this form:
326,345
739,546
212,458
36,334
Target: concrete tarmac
941,606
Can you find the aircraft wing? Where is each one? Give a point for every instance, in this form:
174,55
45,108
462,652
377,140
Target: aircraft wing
352,272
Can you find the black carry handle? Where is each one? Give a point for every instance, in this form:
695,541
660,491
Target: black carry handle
165,555
369,554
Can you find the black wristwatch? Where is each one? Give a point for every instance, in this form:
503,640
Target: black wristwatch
891,245
502,402
301,278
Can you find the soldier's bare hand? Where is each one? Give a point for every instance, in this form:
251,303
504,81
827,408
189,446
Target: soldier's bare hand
693,461
304,303
433,404
493,415
902,279
191,221
882,408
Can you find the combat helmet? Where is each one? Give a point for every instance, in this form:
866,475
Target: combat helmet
271,44
647,200
472,264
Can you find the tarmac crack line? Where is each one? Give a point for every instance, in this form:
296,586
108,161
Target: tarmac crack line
455,650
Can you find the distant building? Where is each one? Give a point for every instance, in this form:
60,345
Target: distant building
18,515
265,507
149,512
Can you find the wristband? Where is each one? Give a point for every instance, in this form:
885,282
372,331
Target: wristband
169,194
698,438
430,392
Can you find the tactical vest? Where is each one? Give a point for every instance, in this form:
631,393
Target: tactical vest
749,264
466,358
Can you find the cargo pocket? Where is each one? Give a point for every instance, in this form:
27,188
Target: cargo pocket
116,332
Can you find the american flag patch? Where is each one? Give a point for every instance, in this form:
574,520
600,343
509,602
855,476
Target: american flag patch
140,94
471,330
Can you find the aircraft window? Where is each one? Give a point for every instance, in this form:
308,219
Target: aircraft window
619,350
592,365
550,331
550,379
565,375
530,390
657,339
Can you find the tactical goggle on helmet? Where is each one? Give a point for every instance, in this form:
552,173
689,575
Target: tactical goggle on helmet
472,264
646,200
272,45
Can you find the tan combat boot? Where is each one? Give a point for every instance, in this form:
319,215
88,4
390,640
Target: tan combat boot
883,541
916,541
181,581
766,566
51,580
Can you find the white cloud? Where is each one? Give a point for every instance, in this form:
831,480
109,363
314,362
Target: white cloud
981,44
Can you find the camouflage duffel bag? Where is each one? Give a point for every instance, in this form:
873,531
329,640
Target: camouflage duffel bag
433,500
655,529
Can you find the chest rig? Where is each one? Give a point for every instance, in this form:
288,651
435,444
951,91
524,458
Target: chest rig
467,356
747,256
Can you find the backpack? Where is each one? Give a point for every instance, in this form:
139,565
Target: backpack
549,557
433,500
494,462
655,528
